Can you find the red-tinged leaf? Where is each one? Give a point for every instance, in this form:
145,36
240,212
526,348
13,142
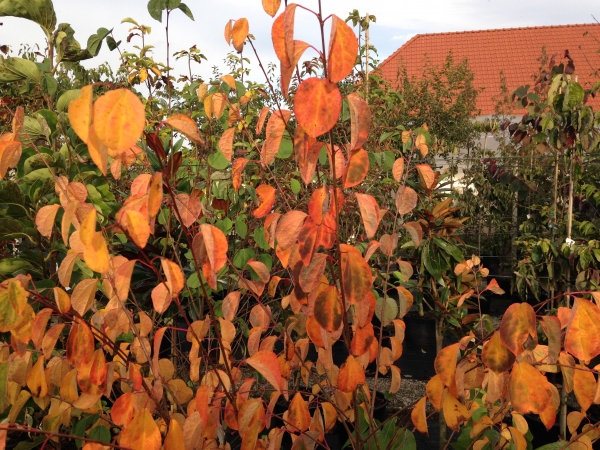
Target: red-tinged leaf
298,414
83,295
210,251
137,227
266,194
288,228
306,151
582,339
271,6
267,364
278,37
518,328
239,33
44,219
174,439
419,416
260,122
362,340
343,48
370,213
494,287
10,154
328,309
186,126
356,274
236,172
551,327
310,276
426,174
142,432
529,389
119,119
226,143
357,169
415,231
351,375
584,386
360,121
98,369
315,332
371,249
68,219
274,132
455,413
317,105
398,169
80,345
230,304
80,112
435,391
251,419
288,71
189,207
445,365
496,356
406,199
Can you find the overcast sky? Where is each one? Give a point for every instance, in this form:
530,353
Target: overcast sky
397,21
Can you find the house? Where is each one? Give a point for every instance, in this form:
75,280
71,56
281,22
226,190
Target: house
513,51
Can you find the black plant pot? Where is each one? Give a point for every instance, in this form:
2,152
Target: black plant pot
419,347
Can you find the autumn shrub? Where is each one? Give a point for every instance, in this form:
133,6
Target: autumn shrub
172,267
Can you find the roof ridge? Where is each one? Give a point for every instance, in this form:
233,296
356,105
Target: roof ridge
491,30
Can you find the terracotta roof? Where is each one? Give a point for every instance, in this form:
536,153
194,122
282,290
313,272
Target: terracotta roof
515,51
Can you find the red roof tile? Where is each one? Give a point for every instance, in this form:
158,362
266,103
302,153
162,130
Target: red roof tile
514,51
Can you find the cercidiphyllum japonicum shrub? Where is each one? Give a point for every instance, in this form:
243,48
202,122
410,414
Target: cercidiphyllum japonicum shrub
81,353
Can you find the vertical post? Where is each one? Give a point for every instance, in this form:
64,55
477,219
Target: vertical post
367,57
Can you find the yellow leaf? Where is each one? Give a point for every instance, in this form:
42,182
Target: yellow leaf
137,227
229,80
142,432
239,33
80,113
202,92
36,379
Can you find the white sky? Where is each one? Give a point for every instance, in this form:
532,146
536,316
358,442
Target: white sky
397,21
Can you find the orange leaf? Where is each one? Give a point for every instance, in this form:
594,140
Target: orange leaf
228,37
288,228
415,232
95,254
343,48
63,301
271,6
328,309
406,199
142,432
226,143
419,416
98,150
210,250
175,279
356,274
369,211
186,126
360,120
317,105
351,375
189,207
274,132
455,412
496,355
80,113
230,304
10,153
239,33
251,419
584,386
306,151
83,295
80,345
288,71
119,119
529,389
445,365
260,122
66,268
236,172
518,328
426,174
396,379
174,439
282,26
155,194
267,364
44,219
582,339
357,169
298,414
435,391
494,287
398,169
137,227
161,298
266,194
50,338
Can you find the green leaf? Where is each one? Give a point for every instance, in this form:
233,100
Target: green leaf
449,248
172,4
40,174
553,446
17,69
432,263
286,148
100,433
49,84
389,313
9,266
156,7
65,98
112,44
296,186
387,135
186,10
574,95
9,227
405,441
241,228
94,42
242,257
38,11
259,238
218,161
